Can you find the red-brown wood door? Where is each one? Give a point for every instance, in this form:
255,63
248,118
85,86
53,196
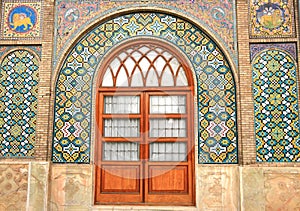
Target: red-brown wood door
145,152
144,116
169,149
119,170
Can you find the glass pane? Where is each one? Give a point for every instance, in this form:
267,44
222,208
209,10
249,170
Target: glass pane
167,128
136,55
122,56
107,79
174,64
168,104
144,65
129,64
121,104
159,64
137,79
168,151
115,64
181,78
167,78
152,79
152,55
167,55
122,79
144,49
120,151
121,127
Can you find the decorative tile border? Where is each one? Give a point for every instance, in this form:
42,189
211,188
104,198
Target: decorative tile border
259,47
21,19
273,18
37,49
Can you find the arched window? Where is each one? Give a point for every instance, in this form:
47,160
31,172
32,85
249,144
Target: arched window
144,111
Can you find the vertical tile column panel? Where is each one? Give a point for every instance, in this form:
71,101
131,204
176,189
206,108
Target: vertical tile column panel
43,137
246,121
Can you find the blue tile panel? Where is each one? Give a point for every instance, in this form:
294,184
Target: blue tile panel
276,106
18,103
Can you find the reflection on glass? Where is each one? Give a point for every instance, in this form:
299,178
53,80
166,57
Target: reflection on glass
167,104
167,128
120,151
122,104
121,128
168,151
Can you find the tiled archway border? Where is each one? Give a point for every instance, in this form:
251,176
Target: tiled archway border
216,85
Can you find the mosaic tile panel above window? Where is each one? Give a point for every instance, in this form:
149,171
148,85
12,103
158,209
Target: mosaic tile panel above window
273,18
276,106
216,87
18,103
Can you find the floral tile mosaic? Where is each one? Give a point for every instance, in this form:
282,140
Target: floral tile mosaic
35,48
73,16
74,87
275,93
18,101
259,47
272,18
21,19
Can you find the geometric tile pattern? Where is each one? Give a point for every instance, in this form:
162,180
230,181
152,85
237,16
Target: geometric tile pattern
276,106
271,18
21,19
72,17
18,103
74,86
